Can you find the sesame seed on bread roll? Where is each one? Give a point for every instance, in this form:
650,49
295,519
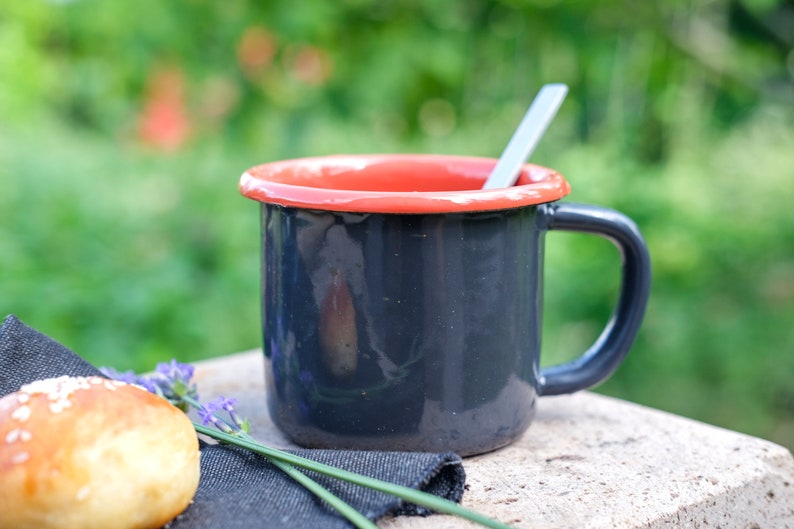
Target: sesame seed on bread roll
88,452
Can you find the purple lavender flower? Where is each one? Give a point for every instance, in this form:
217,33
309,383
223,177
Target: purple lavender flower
130,378
209,415
214,406
176,371
173,381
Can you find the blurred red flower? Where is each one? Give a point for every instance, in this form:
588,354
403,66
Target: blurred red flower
311,64
255,50
164,122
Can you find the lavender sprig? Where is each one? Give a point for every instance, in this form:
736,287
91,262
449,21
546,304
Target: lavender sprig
208,414
173,382
237,430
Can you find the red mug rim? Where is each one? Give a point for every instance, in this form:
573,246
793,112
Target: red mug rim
397,183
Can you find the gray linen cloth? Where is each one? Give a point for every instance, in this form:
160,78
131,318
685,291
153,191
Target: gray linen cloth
239,489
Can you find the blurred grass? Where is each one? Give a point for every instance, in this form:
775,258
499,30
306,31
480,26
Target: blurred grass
126,257
717,339
680,115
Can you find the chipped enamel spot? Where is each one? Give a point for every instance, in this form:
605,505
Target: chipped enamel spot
22,398
83,493
20,457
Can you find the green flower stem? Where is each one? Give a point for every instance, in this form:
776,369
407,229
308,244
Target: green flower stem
414,496
355,517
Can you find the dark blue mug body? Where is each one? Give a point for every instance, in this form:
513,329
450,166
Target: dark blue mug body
422,331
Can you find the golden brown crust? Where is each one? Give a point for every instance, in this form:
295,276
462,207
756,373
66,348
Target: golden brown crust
88,452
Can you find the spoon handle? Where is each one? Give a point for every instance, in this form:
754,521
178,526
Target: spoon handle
527,136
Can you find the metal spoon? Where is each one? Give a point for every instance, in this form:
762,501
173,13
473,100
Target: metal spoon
527,135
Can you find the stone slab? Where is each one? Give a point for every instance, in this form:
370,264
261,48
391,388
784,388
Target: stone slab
589,462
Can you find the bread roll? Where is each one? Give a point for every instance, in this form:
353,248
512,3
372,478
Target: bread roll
87,452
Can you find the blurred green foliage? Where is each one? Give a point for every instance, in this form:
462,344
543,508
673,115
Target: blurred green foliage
125,126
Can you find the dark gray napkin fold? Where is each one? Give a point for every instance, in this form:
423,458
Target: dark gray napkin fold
239,489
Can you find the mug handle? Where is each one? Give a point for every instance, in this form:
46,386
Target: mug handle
608,351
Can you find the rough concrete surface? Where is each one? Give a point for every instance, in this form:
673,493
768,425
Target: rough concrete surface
587,461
